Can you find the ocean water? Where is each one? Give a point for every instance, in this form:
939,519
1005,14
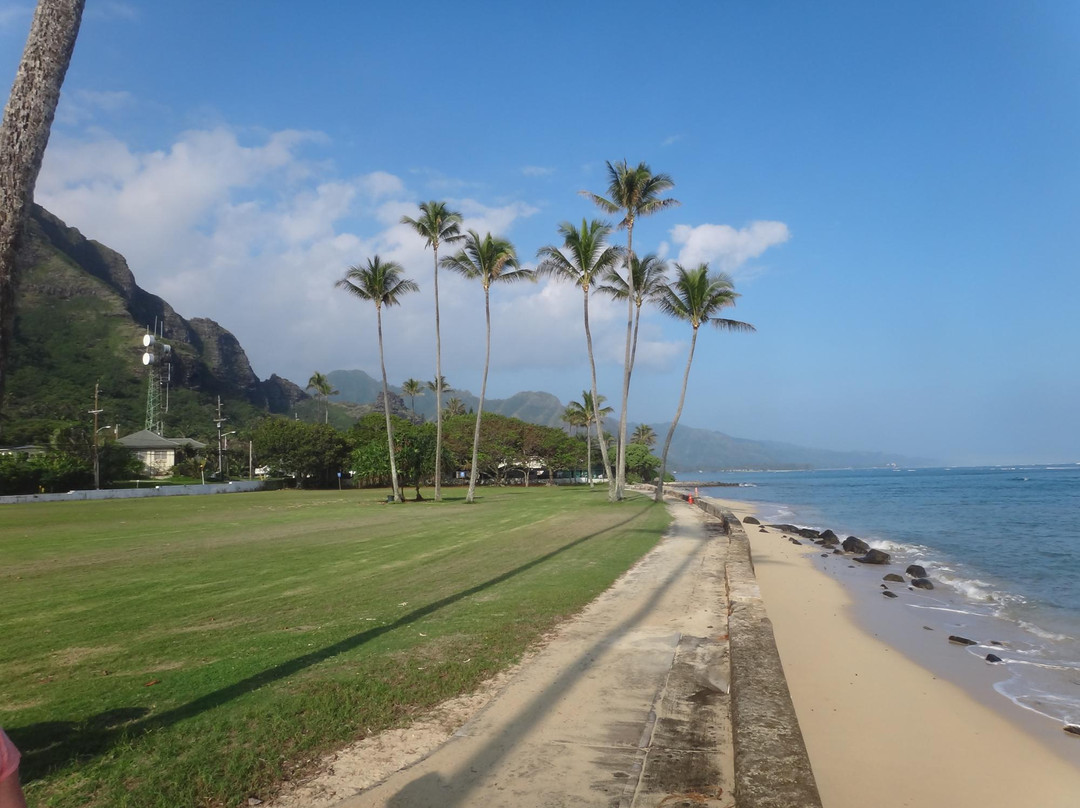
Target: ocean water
1002,546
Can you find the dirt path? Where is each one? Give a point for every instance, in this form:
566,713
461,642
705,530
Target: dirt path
626,706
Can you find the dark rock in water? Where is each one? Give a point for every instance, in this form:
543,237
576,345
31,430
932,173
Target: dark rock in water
808,533
838,552
750,520
956,639
892,576
998,643
855,545
828,534
887,593
883,586
830,543
795,541
915,571
993,658
874,557
785,528
927,628
922,583
1072,729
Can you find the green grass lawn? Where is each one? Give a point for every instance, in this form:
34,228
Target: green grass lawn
195,651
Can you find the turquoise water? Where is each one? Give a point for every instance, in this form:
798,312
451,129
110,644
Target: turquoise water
1001,544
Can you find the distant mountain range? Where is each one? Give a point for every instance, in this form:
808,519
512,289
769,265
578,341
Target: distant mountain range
80,317
691,449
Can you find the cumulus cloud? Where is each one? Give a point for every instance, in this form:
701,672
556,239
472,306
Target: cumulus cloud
725,247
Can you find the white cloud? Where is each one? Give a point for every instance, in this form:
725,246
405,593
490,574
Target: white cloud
671,140
15,16
537,171
723,246
80,106
253,235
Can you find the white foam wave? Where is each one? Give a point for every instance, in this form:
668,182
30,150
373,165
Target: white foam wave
1043,633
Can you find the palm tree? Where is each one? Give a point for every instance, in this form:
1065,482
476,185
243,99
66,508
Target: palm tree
442,386
24,134
573,415
454,406
595,414
381,283
645,435
323,389
437,224
413,388
489,260
582,259
632,192
695,297
649,275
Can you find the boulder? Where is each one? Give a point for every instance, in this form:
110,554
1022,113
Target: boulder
750,520
808,533
855,545
922,583
838,552
892,576
785,528
956,639
993,658
828,534
762,530
795,541
889,594
915,571
874,557
1072,729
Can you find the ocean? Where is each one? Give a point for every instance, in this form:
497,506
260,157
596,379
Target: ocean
1001,544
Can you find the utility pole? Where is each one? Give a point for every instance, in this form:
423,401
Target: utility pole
96,412
219,421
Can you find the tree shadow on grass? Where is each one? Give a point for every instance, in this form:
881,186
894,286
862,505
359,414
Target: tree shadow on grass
53,745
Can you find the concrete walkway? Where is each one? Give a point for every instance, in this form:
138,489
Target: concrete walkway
627,706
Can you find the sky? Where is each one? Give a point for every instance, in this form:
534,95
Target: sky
894,189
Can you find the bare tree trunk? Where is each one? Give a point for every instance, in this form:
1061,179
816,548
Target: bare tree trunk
596,410
620,463
675,422
480,406
386,409
24,135
438,384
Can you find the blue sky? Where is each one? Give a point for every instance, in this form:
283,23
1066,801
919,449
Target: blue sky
894,188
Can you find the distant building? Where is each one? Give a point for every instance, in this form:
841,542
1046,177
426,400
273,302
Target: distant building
158,454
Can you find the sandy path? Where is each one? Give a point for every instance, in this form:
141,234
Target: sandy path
601,715
880,729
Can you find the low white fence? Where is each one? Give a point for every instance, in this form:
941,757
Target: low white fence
150,490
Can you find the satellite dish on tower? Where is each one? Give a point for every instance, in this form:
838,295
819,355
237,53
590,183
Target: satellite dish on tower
148,358
147,340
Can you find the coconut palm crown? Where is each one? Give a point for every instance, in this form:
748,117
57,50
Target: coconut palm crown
381,283
695,297
436,224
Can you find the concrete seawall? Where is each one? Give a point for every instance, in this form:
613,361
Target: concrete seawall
772,767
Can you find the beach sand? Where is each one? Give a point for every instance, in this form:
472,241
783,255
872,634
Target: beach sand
882,730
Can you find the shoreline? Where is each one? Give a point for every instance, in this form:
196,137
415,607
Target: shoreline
883,727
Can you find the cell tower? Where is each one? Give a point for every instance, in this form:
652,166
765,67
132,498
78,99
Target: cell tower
157,357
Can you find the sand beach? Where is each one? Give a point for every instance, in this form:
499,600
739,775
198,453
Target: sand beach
882,729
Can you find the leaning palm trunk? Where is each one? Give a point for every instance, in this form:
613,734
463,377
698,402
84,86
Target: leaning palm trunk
480,406
24,134
596,411
675,422
628,365
588,454
438,387
386,410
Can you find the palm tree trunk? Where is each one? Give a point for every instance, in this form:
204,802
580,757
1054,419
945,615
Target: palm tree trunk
620,463
24,135
675,423
386,409
588,453
438,385
483,392
596,409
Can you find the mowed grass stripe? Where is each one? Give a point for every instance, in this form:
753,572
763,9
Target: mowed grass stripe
274,626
